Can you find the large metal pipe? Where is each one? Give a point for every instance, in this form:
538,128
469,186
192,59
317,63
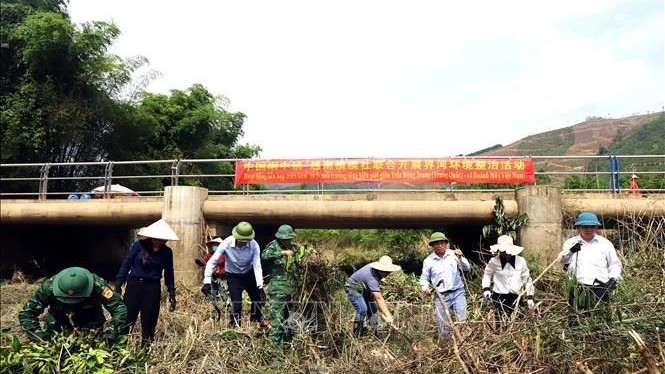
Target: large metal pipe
307,212
92,212
355,214
619,207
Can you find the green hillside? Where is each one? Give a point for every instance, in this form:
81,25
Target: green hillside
648,139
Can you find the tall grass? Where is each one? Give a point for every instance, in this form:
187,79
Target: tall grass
537,341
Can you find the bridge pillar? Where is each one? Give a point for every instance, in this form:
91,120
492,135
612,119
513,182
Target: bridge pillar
542,237
183,210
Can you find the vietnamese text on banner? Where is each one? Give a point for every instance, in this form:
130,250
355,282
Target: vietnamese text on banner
351,170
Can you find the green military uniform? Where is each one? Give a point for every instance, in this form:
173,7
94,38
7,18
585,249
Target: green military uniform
74,298
280,287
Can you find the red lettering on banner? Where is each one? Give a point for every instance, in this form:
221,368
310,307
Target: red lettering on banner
463,170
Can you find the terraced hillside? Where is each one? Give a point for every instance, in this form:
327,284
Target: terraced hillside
596,136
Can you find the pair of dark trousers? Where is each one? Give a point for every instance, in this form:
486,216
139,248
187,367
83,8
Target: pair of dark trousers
504,304
143,296
237,283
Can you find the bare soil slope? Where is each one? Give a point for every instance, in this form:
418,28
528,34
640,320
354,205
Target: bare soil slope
583,139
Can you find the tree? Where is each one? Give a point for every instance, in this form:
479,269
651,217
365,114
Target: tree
64,98
190,124
56,105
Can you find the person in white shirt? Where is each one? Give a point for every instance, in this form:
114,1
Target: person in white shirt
591,261
506,276
243,272
443,269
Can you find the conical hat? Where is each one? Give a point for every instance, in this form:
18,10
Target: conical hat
158,230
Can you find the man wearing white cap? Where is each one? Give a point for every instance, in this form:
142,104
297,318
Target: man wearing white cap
443,270
243,272
507,274
143,266
363,289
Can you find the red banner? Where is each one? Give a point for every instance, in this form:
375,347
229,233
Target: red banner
350,170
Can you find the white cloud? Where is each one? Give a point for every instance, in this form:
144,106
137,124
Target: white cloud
396,78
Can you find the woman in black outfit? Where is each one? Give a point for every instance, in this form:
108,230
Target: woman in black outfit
148,258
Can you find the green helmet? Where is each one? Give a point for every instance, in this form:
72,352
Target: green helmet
285,232
72,285
437,237
243,231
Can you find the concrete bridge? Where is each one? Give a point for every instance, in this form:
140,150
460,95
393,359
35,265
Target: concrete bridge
190,210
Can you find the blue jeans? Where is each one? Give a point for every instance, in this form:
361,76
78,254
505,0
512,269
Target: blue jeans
363,303
456,304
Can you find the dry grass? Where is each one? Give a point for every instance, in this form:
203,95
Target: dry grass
189,341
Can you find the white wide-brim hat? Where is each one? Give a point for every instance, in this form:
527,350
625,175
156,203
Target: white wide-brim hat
385,263
158,230
505,244
215,241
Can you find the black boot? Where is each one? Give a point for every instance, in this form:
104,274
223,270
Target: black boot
358,329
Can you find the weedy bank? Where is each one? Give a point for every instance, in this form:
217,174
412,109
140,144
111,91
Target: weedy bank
627,337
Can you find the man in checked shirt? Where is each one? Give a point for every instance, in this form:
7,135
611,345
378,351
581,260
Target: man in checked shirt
443,270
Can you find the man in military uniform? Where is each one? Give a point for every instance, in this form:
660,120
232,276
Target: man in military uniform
74,298
280,289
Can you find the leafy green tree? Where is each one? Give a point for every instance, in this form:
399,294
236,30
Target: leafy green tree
56,105
64,98
191,124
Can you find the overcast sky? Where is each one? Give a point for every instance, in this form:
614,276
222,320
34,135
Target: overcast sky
399,78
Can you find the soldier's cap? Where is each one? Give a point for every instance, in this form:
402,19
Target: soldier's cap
73,285
243,231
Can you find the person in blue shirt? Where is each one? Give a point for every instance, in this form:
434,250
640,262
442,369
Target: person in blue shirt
363,290
442,273
243,273
148,258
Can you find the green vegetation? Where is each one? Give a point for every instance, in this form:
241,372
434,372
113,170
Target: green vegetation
551,143
64,98
504,225
646,140
75,353
538,340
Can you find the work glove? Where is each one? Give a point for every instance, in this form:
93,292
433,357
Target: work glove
118,289
172,302
529,303
207,289
576,248
262,295
487,295
611,284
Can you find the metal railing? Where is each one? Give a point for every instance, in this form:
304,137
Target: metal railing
41,174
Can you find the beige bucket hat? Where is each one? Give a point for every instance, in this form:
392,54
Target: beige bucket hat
158,230
385,263
505,244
